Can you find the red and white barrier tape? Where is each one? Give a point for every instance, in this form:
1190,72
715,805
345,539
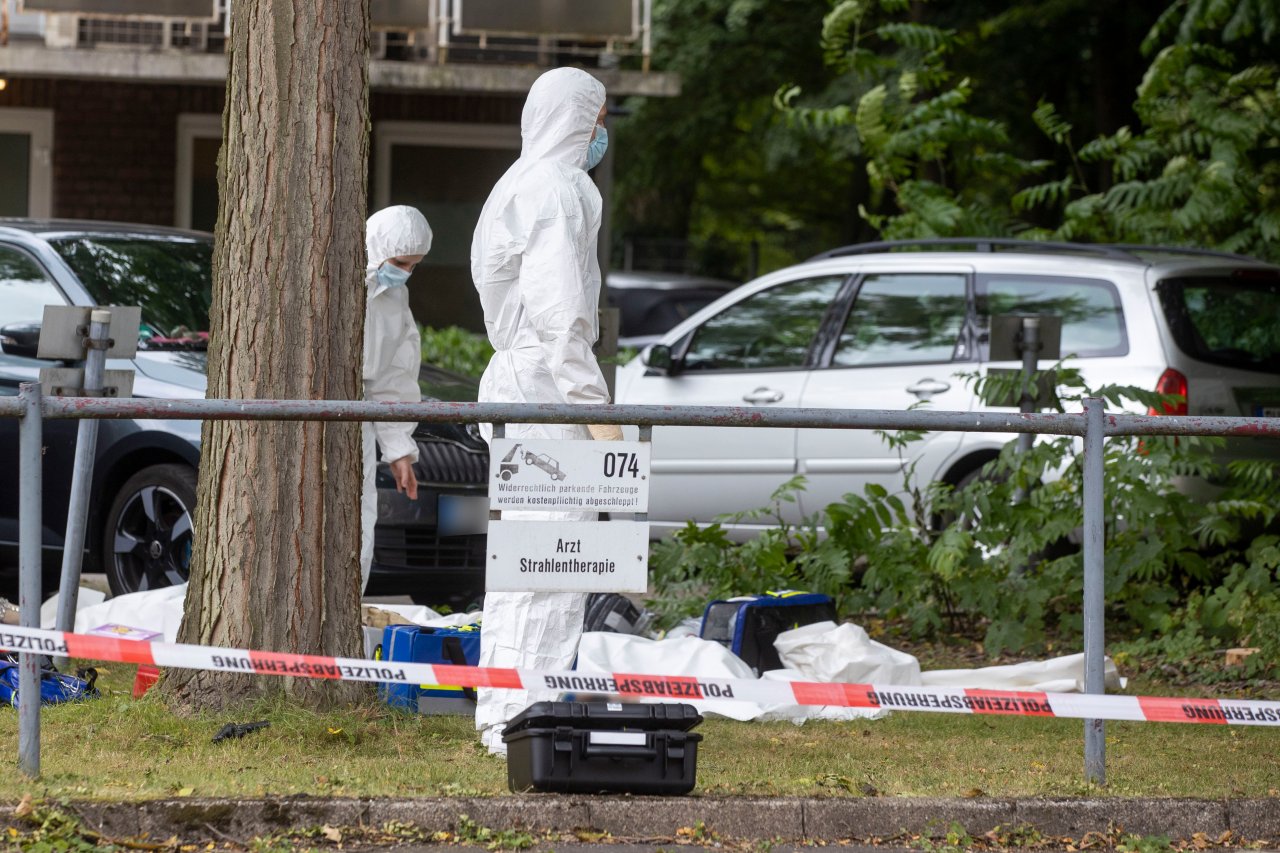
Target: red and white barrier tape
953,700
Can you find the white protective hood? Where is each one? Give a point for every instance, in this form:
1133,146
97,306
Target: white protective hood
533,257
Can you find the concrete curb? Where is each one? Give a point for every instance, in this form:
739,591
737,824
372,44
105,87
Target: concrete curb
782,819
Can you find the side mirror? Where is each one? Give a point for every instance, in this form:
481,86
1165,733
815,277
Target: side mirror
21,339
659,360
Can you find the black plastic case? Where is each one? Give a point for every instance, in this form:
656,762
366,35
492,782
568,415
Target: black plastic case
603,747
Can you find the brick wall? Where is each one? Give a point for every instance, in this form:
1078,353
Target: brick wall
114,144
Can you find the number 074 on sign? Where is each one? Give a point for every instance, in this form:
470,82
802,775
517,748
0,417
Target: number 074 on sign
605,476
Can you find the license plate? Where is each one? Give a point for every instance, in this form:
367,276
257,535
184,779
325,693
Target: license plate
462,514
1267,411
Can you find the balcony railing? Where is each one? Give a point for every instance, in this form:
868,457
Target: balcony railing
532,32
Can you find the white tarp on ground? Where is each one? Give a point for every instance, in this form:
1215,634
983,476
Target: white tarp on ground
822,652
1056,675
606,652
160,611
825,651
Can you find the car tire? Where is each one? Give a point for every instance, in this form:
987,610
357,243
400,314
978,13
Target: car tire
146,540
941,521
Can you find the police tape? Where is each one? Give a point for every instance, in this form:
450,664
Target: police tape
954,700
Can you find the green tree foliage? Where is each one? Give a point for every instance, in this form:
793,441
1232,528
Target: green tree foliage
718,166
1183,575
1203,169
934,167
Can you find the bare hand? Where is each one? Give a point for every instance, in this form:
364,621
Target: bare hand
406,482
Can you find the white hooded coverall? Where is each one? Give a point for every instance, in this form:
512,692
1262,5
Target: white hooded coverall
533,261
392,354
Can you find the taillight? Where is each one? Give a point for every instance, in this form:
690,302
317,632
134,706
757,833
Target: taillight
1174,383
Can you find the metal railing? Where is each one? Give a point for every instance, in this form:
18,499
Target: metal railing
1094,425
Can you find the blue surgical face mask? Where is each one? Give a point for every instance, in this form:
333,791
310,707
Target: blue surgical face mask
390,275
599,144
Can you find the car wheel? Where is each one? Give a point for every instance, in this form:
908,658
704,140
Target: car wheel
147,536
506,475
528,458
968,517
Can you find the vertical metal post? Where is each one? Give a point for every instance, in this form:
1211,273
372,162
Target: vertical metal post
646,38
499,431
1095,767
82,474
1030,362
1027,403
30,446
646,435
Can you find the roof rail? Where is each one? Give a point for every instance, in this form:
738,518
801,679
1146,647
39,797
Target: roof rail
983,244
1181,250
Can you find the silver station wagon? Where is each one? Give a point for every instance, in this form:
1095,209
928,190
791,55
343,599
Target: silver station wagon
887,325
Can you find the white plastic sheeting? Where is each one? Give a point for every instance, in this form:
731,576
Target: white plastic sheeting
607,652
822,652
825,651
1056,675
160,611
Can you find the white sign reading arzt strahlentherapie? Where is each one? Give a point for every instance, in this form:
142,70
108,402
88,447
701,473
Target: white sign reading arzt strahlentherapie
609,476
568,556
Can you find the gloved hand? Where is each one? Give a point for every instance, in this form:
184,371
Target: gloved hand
605,432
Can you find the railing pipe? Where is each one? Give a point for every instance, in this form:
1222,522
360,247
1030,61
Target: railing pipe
1095,765
30,444
82,473
717,416
723,416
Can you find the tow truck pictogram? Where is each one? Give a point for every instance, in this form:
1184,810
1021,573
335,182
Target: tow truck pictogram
507,467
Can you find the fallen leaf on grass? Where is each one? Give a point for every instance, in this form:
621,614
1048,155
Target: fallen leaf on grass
186,792
24,807
332,833
974,792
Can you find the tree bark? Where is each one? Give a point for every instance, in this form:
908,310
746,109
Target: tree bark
275,564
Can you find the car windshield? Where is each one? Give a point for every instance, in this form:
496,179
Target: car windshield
1225,320
169,276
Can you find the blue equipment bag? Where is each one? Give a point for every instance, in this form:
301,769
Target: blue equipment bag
55,687
416,644
749,624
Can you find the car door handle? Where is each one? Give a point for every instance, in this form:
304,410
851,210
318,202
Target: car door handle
927,387
763,395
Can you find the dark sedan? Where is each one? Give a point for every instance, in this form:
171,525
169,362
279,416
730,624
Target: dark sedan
145,471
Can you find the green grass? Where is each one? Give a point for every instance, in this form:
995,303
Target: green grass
116,748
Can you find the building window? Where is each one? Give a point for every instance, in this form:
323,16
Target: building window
26,150
196,183
447,172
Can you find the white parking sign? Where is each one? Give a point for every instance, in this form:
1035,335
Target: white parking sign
607,476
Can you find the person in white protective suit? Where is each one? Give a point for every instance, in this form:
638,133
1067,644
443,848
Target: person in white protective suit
397,238
533,260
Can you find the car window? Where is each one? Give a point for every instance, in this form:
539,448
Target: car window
1092,319
657,311
770,329
1227,321
170,277
903,319
24,288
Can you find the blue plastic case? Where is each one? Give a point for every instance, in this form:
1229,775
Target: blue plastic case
416,644
749,624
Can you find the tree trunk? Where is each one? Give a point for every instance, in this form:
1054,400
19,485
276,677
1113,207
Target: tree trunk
275,565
